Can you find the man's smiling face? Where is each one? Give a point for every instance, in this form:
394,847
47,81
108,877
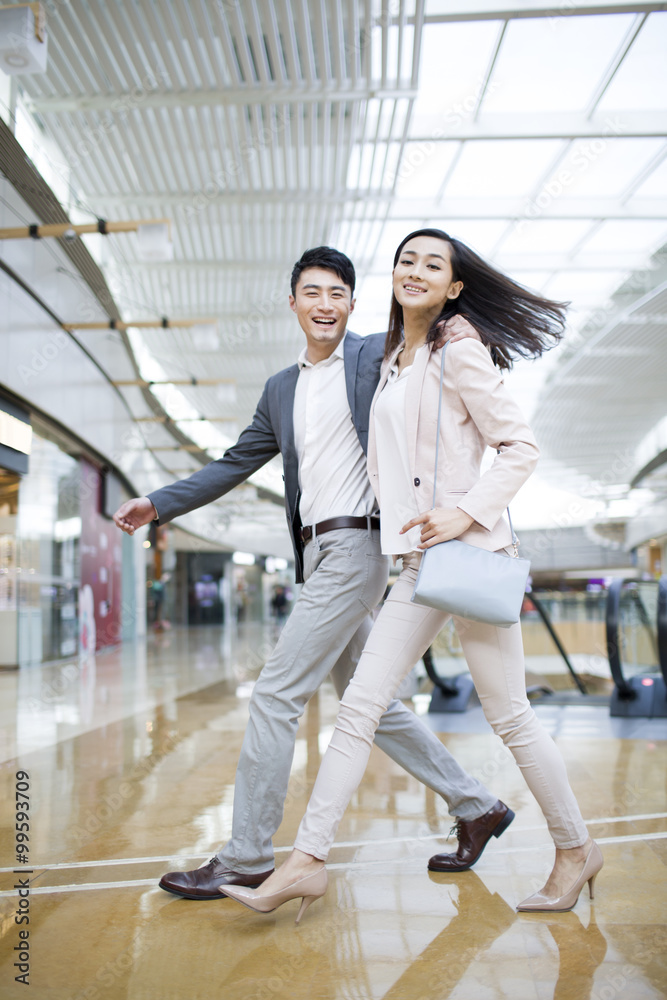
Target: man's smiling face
322,303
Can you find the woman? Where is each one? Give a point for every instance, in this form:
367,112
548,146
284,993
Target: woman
434,278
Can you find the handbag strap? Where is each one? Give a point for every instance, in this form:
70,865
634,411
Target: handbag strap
515,540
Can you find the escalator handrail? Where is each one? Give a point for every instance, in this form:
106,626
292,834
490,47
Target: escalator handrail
612,628
613,644
546,620
662,625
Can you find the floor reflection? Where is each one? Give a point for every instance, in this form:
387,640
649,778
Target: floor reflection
132,759
481,918
581,951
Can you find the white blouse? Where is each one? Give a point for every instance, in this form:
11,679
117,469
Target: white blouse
398,497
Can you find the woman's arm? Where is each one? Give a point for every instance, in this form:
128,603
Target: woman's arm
502,427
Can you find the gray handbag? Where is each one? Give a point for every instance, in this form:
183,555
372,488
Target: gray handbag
468,581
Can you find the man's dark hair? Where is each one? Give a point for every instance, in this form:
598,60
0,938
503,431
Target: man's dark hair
328,259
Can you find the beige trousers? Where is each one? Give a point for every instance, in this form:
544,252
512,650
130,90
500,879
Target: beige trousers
399,638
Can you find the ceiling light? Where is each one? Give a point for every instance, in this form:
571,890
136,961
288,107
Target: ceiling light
155,241
205,337
243,559
23,41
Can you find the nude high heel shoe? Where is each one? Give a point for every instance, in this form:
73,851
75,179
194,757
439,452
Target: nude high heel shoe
310,887
592,866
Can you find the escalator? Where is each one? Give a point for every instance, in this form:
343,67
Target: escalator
636,628
631,622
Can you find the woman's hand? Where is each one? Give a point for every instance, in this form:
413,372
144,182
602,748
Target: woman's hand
456,328
439,525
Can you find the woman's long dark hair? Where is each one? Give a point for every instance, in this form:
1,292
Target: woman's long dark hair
510,319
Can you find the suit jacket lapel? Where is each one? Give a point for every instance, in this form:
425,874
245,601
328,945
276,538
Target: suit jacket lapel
351,351
287,390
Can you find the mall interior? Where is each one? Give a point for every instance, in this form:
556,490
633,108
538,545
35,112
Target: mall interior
162,167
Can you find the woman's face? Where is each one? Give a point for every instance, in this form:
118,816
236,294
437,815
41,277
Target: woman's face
423,277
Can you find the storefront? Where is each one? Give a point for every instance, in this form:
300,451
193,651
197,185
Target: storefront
61,557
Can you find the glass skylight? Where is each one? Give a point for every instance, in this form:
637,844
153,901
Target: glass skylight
545,236
501,167
601,167
454,62
655,185
641,81
628,235
423,168
529,73
480,235
583,288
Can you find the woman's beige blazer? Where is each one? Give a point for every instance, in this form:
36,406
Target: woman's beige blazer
477,411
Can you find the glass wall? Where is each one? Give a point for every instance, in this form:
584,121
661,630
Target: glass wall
49,556
9,502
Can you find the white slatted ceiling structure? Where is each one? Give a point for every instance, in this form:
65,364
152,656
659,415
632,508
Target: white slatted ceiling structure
261,127
238,122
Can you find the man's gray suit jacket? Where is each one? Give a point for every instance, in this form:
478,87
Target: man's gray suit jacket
272,432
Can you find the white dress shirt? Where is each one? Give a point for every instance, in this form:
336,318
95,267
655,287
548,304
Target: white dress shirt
332,466
398,496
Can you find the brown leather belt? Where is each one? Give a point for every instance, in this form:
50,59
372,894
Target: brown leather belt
339,522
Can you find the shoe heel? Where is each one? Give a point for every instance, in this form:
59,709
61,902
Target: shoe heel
305,903
504,823
590,885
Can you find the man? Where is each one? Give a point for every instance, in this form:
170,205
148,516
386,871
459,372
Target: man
316,414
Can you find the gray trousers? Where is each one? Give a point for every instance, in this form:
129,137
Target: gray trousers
345,576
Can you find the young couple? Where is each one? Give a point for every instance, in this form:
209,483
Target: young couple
323,414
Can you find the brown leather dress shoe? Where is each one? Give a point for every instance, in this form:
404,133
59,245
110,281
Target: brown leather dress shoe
205,882
474,835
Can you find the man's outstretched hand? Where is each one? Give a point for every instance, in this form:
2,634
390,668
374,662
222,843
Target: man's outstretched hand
134,514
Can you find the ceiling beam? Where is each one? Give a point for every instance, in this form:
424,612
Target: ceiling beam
122,103
544,206
536,260
547,125
487,12
559,206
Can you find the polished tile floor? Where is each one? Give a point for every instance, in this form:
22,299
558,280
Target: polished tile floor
130,763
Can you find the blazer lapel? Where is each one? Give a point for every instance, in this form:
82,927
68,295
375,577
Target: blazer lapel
413,398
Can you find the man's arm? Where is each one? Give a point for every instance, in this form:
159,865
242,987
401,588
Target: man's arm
254,448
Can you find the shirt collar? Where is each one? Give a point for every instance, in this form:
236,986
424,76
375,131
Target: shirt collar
337,354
